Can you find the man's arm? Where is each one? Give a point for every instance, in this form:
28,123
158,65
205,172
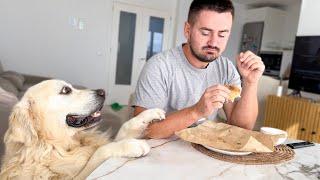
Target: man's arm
244,112
212,99
174,122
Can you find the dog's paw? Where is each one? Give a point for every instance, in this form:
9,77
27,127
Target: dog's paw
135,148
149,115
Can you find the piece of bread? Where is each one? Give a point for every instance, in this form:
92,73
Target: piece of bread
235,92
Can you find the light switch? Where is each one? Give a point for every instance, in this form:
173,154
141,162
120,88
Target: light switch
73,21
80,25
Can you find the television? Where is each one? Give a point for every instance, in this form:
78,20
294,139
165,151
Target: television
305,69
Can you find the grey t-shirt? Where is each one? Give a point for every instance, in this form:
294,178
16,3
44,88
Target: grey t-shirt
168,81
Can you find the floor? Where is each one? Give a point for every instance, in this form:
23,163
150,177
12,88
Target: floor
114,119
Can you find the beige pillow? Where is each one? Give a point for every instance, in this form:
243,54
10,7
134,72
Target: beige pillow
8,86
15,78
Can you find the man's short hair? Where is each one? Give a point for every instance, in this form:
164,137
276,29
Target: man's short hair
220,6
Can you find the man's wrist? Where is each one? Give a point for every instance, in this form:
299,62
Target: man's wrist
194,113
249,84
249,87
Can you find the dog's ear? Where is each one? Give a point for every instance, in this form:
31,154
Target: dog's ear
21,125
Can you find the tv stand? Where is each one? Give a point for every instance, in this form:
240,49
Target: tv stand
300,117
296,93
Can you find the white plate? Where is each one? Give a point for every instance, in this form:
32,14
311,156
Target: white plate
233,153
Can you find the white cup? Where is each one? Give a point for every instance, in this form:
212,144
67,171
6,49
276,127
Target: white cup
275,131
279,91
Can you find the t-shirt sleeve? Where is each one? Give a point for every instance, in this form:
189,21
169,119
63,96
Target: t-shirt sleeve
151,89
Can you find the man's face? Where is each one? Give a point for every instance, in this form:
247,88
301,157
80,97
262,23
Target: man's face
209,34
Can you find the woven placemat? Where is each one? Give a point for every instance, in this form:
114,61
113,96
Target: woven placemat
281,154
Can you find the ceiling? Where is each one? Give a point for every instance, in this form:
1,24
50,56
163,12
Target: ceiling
270,3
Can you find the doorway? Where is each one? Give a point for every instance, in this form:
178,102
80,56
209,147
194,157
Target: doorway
138,33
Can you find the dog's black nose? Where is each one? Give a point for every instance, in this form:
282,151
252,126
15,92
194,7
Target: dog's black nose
101,93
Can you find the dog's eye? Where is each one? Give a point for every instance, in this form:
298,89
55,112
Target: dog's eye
66,90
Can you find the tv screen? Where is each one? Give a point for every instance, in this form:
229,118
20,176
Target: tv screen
305,70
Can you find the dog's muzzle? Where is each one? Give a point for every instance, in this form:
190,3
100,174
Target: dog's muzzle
77,121
83,121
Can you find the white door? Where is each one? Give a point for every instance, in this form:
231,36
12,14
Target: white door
138,33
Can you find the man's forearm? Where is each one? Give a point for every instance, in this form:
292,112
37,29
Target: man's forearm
175,121
245,111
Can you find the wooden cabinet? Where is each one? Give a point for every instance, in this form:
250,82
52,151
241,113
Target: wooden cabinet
298,116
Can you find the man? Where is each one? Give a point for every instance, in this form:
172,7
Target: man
188,81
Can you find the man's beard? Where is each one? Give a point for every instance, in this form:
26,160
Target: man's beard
203,57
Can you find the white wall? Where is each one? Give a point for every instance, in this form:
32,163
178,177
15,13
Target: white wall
36,37
291,24
308,22
233,47
182,15
234,42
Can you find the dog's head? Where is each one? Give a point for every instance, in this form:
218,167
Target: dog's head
52,110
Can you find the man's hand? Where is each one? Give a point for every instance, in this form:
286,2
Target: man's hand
213,98
250,67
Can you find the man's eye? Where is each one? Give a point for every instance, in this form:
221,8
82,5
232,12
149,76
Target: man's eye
222,35
65,90
204,33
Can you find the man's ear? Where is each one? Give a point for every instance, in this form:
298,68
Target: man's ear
21,125
187,30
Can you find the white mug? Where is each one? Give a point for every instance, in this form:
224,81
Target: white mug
279,91
275,131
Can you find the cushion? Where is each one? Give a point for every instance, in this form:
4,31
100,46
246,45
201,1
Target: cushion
7,99
6,85
1,68
16,78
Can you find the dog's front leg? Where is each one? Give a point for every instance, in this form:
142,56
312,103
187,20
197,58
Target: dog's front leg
124,148
135,127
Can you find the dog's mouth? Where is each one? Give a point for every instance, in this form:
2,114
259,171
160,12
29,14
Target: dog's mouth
78,121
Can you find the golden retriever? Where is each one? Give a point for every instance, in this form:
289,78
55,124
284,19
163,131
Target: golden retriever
52,134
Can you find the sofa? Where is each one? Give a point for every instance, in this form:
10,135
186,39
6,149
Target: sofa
12,87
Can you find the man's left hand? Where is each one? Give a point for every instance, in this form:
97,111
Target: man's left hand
250,67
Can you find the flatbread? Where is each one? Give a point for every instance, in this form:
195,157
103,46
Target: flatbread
227,137
235,92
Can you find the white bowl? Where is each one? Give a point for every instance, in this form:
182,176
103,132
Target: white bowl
275,131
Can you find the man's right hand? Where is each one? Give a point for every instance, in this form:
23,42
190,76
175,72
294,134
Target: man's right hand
213,98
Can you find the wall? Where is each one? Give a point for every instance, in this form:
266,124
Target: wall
233,47
36,37
235,38
308,21
182,9
291,24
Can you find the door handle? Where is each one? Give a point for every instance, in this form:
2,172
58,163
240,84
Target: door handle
142,59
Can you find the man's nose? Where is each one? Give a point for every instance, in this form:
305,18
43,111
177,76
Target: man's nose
213,39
